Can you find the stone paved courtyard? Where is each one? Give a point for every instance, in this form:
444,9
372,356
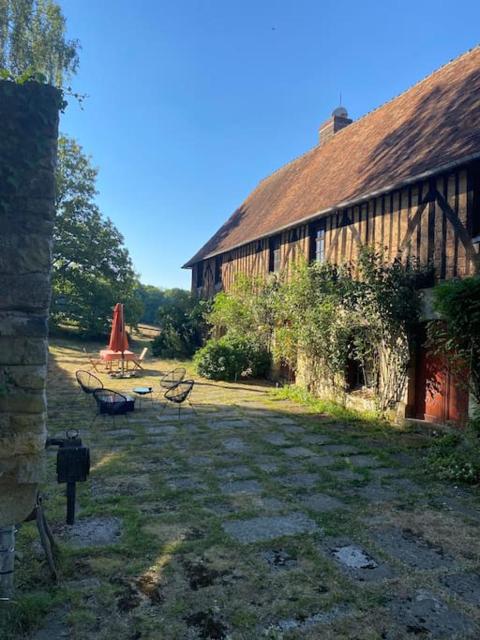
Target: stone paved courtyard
250,518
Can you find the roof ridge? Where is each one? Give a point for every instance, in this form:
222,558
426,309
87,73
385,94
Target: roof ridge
415,84
362,117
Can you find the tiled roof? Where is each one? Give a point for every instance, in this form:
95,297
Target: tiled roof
432,124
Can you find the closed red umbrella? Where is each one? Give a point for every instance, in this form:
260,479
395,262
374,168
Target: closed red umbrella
118,335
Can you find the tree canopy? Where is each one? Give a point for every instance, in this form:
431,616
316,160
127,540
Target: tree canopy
92,269
33,41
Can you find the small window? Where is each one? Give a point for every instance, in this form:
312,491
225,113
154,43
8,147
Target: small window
274,257
218,270
317,242
199,275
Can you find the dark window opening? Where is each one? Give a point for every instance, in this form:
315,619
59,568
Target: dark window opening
317,242
199,275
218,270
274,257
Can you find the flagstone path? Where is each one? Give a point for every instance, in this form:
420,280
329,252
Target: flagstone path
252,518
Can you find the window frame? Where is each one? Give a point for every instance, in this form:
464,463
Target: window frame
317,234
274,255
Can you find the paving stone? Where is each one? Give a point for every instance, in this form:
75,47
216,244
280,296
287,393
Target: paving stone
323,461
235,444
457,506
200,460
269,504
234,472
185,483
298,452
241,486
166,430
424,615
268,467
376,492
465,585
340,448
293,430
363,461
300,480
269,527
412,549
384,472
116,433
359,564
305,623
225,425
275,438
345,475
315,438
322,502
405,485
92,532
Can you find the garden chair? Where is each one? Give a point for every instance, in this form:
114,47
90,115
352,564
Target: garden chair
88,382
171,379
180,393
93,362
138,361
112,403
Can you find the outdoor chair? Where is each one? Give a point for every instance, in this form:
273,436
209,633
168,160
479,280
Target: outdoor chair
173,378
93,362
180,393
138,361
112,403
88,382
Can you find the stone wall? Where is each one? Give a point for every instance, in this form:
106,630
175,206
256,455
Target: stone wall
28,145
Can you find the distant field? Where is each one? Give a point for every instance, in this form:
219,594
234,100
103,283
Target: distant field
148,330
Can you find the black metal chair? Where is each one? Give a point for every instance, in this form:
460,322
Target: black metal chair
88,382
179,394
112,403
171,379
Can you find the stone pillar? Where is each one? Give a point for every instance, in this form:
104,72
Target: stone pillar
28,146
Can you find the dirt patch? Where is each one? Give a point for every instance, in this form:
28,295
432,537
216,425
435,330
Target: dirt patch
200,575
208,626
279,559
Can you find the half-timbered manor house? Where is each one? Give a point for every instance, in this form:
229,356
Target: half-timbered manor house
404,177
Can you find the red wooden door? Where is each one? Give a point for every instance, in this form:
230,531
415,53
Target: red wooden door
438,395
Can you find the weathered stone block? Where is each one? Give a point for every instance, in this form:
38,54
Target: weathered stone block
24,253
25,292
21,401
25,376
17,324
26,351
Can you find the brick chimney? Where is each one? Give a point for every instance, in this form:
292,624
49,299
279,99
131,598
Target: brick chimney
329,128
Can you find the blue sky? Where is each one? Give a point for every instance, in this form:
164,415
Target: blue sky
192,102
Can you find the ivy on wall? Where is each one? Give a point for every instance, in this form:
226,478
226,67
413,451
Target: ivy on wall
326,315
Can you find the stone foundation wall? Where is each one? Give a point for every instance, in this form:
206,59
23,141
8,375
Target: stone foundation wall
28,146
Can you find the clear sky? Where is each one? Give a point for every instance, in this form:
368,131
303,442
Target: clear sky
192,102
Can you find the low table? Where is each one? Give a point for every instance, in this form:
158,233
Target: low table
143,391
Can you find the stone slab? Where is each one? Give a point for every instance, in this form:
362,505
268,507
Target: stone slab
363,461
269,527
338,449
298,452
277,439
301,480
322,503
241,486
465,585
412,549
92,532
235,444
426,616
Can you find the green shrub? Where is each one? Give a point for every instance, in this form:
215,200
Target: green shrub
232,357
456,456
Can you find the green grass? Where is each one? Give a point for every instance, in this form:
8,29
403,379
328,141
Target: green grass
335,410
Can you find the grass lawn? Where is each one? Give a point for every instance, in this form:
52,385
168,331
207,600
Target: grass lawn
251,517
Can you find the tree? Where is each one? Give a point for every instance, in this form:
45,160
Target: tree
92,269
180,319
455,339
151,298
33,41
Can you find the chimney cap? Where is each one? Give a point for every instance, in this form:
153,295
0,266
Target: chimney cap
340,112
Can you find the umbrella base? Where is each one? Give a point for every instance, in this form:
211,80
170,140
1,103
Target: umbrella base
125,374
